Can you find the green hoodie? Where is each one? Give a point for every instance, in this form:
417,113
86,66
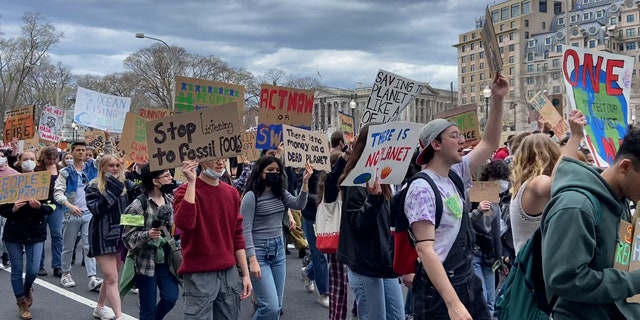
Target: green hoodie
577,256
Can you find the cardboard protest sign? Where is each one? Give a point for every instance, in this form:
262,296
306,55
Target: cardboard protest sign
24,186
18,123
347,126
99,110
623,253
153,113
134,139
282,105
485,191
302,146
598,83
389,96
249,151
387,154
210,134
466,118
490,45
543,105
95,139
198,94
50,125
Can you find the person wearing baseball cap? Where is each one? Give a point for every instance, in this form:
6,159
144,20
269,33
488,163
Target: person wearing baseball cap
446,252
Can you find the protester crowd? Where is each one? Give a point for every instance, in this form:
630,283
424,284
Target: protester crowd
220,237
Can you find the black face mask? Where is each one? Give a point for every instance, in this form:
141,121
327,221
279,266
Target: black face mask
272,179
167,188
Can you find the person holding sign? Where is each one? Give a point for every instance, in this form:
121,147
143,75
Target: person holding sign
444,286
263,208
24,235
365,243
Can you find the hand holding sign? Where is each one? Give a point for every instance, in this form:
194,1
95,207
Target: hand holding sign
18,205
308,171
189,170
375,189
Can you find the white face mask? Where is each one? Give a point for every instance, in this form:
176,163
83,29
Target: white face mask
504,185
28,165
214,174
3,161
69,162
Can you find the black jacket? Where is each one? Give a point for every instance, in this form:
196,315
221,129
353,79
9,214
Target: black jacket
365,243
26,226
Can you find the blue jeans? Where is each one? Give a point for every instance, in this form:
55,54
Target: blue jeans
150,309
55,230
318,269
488,278
270,287
73,225
33,252
377,296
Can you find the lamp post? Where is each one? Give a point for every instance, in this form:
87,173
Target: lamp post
486,94
353,104
141,35
74,126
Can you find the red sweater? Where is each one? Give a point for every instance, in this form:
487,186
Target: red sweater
211,227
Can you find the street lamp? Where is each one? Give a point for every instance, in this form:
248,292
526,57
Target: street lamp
141,35
486,93
353,104
75,131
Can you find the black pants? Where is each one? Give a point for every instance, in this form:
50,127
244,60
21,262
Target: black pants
428,304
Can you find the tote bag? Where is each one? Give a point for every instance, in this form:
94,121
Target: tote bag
328,226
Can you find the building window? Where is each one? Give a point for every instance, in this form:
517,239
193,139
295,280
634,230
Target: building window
586,16
512,94
599,14
513,24
573,18
556,75
463,78
473,99
472,57
555,63
526,7
526,34
472,45
530,68
481,65
472,78
538,67
463,48
512,48
512,59
515,10
472,89
530,93
481,54
530,56
543,5
532,43
505,14
512,70
631,32
482,76
473,35
544,25
613,21
575,44
556,89
500,39
501,50
495,16
530,80
511,36
559,48
630,18
464,69
463,59
526,23
512,82
502,27
464,38
473,67
547,40
592,43
546,54
560,21
631,46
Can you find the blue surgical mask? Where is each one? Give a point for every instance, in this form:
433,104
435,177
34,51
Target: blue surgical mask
214,174
504,185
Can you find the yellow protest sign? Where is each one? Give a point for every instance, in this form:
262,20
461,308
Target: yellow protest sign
25,186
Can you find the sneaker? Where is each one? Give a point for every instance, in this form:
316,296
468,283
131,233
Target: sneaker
323,300
134,290
57,272
290,246
66,281
103,313
94,283
42,272
308,283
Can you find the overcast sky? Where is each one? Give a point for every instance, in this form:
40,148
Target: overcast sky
347,41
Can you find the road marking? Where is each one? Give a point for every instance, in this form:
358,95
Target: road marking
73,296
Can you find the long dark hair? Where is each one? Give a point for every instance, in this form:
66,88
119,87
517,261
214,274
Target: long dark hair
255,182
358,149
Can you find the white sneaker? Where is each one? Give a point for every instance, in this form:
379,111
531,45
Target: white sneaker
94,283
323,300
290,246
134,290
66,281
104,313
308,283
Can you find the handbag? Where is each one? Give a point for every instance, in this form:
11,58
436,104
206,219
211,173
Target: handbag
176,251
328,225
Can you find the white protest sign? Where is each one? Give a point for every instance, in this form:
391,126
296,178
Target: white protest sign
387,154
101,111
390,94
302,146
50,124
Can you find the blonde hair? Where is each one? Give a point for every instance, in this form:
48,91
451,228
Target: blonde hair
101,179
537,155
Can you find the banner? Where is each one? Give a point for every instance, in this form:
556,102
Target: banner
390,94
134,139
466,118
95,139
18,123
99,110
50,125
282,105
302,146
485,191
210,134
490,45
19,187
550,114
153,113
249,151
387,154
599,84
346,125
198,94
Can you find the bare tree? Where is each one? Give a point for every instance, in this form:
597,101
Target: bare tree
19,56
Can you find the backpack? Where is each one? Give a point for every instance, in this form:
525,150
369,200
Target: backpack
523,295
404,252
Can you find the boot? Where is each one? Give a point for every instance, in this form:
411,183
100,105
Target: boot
28,295
25,314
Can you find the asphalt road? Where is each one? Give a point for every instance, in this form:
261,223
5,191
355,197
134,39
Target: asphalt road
52,301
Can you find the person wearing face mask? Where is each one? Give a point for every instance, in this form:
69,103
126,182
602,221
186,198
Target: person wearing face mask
146,245
5,170
26,162
263,209
106,199
207,212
